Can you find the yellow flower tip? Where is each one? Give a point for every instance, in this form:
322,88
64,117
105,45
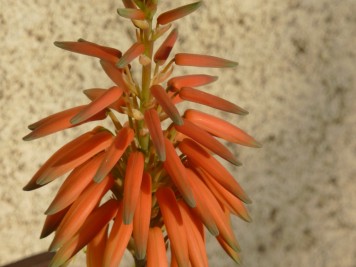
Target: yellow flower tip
195,60
177,13
131,13
133,52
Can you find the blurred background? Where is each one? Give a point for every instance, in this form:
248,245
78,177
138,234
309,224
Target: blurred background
296,77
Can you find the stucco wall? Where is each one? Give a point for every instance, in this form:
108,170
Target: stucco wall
296,76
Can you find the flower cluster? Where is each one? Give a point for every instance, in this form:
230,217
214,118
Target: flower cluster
164,182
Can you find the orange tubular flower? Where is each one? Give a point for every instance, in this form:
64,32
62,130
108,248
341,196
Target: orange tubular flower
197,96
191,80
185,59
156,250
132,184
90,49
220,128
152,181
141,222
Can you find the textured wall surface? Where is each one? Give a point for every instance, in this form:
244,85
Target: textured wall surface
296,76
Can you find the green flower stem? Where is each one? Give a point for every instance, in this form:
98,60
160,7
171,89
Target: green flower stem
146,81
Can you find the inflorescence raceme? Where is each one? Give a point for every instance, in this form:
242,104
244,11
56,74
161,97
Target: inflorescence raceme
164,182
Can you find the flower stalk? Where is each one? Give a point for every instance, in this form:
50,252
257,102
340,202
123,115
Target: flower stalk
164,182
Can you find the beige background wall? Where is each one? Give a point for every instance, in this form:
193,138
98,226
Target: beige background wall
296,76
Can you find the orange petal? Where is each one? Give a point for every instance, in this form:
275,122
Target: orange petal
96,248
177,13
174,224
77,155
89,49
169,108
220,128
94,93
79,211
156,249
133,52
205,139
131,13
165,49
197,96
210,206
75,183
132,185
192,80
115,74
105,100
56,116
153,123
203,206
141,222
185,59
95,222
196,244
109,50
118,239
177,172
57,122
231,202
32,184
122,140
200,158
52,221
